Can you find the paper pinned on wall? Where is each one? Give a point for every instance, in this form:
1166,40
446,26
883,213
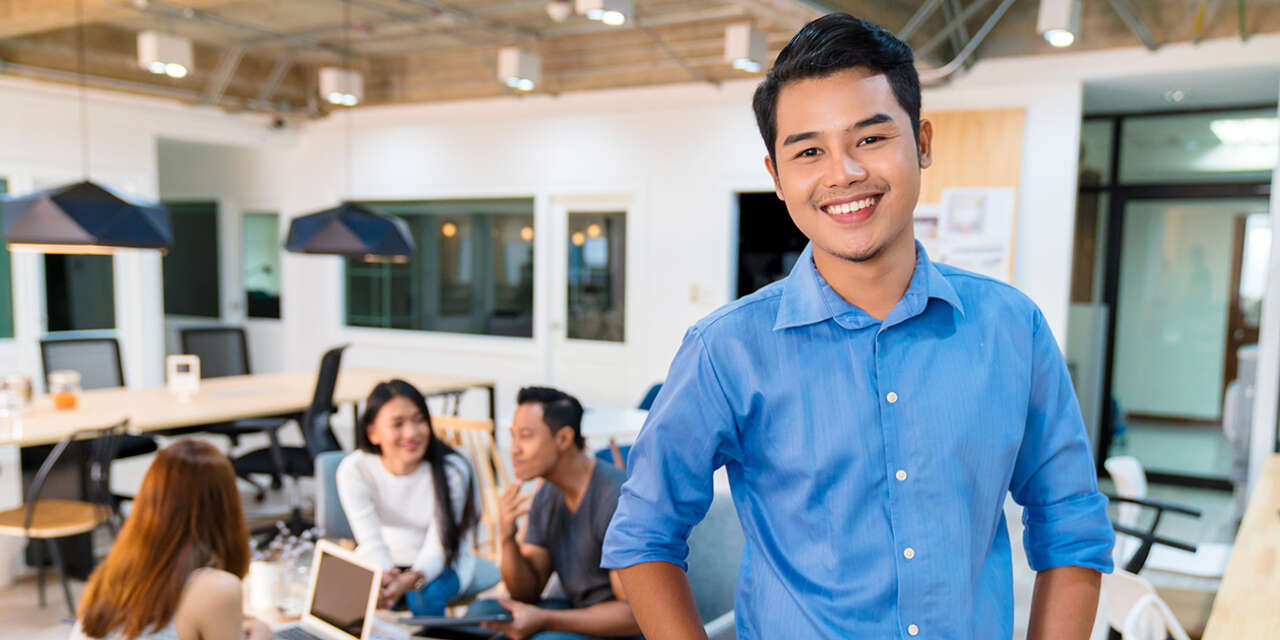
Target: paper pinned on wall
975,230
926,228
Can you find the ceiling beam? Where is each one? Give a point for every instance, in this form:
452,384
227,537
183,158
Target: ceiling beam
222,75
1129,16
941,36
698,76
918,18
261,35
273,79
951,9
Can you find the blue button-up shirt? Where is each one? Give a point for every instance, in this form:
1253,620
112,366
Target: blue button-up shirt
869,460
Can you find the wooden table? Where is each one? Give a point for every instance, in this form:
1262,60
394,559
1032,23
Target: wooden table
219,400
1246,606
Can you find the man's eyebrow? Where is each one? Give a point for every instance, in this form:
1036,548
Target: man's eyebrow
879,118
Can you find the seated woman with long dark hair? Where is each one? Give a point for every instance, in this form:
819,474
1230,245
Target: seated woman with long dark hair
175,569
410,501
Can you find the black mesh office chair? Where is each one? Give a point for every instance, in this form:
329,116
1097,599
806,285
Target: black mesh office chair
317,436
224,351
100,367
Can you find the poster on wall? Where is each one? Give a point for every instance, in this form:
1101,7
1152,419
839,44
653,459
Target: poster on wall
926,227
975,230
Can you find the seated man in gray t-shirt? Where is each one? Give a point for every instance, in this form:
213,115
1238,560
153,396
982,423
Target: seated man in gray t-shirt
567,521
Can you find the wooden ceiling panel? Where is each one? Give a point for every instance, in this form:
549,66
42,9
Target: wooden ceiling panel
432,50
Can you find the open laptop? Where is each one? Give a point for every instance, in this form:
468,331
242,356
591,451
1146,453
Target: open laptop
341,598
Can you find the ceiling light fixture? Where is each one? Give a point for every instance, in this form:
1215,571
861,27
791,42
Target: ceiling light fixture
519,69
745,47
341,86
614,13
1174,96
559,10
163,53
1059,21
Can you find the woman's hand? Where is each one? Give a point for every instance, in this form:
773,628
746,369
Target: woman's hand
395,589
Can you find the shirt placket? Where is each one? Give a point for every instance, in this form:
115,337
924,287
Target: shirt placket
906,552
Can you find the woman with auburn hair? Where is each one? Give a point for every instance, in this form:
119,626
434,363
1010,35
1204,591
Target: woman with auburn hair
175,569
410,501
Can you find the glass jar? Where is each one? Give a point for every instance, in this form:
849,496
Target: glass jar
64,386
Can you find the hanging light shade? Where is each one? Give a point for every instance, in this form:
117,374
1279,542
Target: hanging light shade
353,231
83,218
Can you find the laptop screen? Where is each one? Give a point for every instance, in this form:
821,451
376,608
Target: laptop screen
341,593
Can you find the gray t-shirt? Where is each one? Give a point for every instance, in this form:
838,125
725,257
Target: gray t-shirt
575,539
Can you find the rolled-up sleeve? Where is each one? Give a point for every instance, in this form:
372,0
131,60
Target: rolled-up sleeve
1054,478
690,432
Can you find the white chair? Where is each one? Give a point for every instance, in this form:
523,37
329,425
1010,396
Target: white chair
1132,607
1209,559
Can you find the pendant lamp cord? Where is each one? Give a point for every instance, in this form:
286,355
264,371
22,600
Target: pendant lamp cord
346,63
84,100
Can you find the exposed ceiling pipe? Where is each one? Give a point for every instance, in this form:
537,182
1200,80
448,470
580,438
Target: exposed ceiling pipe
941,36
918,19
262,35
933,76
1131,19
1244,31
116,84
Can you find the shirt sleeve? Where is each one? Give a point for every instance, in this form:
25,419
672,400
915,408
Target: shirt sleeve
430,559
357,496
1054,478
690,432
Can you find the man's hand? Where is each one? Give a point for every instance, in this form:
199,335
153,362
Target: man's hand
512,506
526,620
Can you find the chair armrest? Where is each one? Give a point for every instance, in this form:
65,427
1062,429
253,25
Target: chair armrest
722,628
1159,506
1146,535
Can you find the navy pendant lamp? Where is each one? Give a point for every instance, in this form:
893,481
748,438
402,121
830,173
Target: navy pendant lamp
351,230
83,218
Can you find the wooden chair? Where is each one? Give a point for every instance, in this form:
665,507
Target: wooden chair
474,439
43,521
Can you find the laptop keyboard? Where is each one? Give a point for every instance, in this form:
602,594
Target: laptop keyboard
296,633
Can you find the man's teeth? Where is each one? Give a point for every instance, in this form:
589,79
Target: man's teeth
850,207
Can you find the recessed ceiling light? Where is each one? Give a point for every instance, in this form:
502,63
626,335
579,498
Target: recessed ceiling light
1174,96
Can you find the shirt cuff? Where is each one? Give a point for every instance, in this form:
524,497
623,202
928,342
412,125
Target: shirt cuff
1073,532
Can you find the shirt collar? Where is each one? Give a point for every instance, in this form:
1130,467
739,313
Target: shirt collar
808,299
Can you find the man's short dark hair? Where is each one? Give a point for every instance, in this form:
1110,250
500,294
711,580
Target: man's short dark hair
829,45
559,410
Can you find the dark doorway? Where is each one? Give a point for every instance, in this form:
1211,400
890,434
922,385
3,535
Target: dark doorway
768,242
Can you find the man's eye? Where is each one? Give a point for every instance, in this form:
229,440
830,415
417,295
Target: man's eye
808,153
870,140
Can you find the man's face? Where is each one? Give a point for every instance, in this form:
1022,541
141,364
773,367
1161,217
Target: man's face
534,449
847,163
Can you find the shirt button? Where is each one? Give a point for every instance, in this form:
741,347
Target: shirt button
908,553
913,630
900,475
892,397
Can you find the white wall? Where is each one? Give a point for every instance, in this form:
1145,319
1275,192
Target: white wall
39,124
239,179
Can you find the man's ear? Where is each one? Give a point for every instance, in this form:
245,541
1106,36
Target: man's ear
925,140
773,173
564,439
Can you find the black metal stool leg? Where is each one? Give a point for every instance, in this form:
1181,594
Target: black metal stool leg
62,575
38,544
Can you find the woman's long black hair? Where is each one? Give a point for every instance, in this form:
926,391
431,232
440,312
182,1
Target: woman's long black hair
437,450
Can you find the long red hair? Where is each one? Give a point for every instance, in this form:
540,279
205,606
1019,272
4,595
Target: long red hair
186,516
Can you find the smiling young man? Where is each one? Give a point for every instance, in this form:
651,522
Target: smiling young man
568,517
872,410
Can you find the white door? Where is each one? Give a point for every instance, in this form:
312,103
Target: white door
589,319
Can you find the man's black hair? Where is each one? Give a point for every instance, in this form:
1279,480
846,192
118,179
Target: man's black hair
829,45
559,410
